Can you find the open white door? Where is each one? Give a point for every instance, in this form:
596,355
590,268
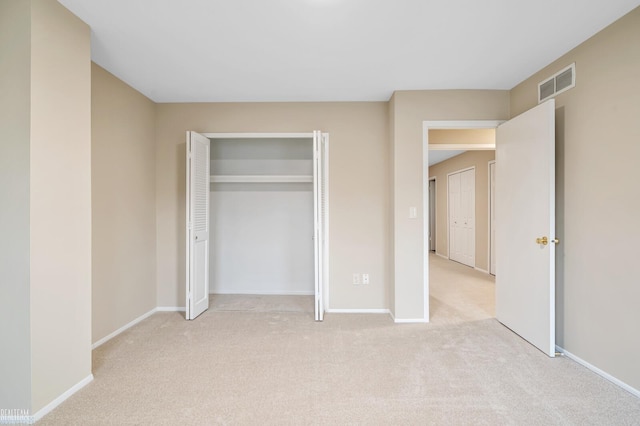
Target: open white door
197,287
320,141
525,214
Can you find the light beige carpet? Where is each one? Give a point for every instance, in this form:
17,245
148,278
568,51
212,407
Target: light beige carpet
459,293
274,368
261,303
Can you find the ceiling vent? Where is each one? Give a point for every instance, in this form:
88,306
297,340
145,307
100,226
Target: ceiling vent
557,83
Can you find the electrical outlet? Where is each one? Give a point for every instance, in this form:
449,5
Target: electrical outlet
356,279
365,278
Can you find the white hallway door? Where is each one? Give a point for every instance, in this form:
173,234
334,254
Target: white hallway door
461,187
525,235
197,280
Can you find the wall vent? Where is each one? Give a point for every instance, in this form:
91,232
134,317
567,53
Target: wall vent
557,83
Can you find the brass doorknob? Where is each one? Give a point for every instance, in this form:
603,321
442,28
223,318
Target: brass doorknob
544,241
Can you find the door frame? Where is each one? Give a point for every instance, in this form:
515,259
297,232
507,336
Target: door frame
442,124
449,215
490,228
325,171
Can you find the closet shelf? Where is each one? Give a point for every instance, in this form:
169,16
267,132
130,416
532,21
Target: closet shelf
260,178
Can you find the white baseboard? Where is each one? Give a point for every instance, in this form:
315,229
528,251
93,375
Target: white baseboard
410,321
481,270
357,311
170,309
599,372
123,328
59,400
442,256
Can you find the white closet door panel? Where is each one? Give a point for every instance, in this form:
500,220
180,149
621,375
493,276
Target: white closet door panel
468,190
197,282
462,217
455,237
320,146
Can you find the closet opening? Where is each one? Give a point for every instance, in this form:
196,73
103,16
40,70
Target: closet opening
267,222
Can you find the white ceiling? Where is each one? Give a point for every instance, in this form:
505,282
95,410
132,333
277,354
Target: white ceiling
436,156
332,50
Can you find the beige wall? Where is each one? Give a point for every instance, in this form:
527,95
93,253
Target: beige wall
462,136
15,51
479,160
358,187
411,108
60,201
598,135
123,174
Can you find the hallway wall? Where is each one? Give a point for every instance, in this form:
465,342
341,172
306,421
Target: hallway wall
479,160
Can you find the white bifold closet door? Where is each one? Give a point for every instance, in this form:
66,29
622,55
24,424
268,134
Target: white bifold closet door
462,234
197,280
320,142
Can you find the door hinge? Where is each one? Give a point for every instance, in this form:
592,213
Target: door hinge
189,296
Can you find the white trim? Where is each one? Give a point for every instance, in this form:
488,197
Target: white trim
466,169
123,328
59,400
261,178
425,232
170,309
481,270
442,256
461,124
489,213
462,146
257,135
599,372
410,321
441,124
358,311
